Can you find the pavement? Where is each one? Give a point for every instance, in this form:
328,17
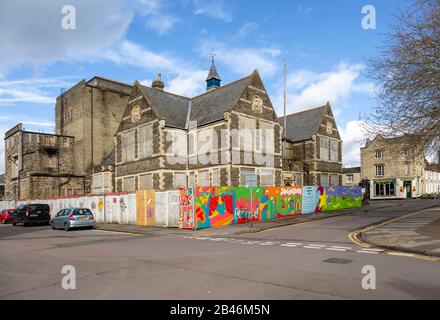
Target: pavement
246,227
313,260
416,233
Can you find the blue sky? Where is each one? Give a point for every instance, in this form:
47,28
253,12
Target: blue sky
323,41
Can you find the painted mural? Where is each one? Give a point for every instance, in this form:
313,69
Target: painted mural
341,197
207,207
186,215
219,206
214,206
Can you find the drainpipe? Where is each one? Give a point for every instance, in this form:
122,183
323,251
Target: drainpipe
91,125
63,184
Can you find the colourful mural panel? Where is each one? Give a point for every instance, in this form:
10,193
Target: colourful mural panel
186,209
219,206
214,206
341,197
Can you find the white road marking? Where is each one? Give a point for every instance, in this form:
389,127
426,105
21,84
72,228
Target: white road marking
336,249
289,245
363,251
309,247
316,245
201,238
268,243
400,254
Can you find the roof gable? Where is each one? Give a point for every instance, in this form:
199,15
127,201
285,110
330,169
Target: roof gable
302,125
212,105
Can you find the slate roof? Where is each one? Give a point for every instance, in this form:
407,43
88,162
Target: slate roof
205,108
169,107
213,74
302,125
351,170
210,106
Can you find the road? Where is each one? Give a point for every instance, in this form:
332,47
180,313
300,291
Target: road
290,262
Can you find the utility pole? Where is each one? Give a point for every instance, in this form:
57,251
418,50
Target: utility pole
285,120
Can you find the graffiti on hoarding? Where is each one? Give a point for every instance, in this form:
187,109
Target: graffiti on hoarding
186,209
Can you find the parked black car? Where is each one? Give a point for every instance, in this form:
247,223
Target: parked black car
32,213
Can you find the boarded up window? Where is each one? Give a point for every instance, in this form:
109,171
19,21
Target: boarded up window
146,181
324,179
215,177
180,180
204,141
191,180
129,184
267,137
324,148
203,179
248,178
178,143
266,177
145,136
334,180
334,151
128,146
246,127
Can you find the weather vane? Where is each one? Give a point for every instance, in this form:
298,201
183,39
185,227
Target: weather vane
212,55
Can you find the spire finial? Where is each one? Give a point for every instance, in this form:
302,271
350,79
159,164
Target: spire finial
212,55
158,83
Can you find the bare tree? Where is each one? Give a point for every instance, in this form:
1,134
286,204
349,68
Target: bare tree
407,75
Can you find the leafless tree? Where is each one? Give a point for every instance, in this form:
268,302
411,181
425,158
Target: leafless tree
407,75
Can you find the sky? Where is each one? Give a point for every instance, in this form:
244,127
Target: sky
323,42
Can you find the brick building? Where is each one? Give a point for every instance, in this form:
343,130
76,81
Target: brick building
351,176
313,148
167,141
39,165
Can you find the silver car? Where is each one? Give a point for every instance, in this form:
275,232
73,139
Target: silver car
73,218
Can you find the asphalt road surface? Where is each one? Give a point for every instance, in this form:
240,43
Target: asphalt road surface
313,260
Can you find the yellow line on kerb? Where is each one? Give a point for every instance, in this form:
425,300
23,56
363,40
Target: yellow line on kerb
355,237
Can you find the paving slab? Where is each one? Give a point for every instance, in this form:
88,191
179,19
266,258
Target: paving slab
416,233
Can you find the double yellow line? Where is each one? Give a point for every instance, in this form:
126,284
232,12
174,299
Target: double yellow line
355,237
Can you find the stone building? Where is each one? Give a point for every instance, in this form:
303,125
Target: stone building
2,186
312,148
393,168
431,179
39,165
351,176
91,112
166,141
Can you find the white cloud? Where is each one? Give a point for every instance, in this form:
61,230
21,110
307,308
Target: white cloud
153,12
34,90
213,8
186,79
3,129
31,31
306,89
243,60
188,84
245,29
353,138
